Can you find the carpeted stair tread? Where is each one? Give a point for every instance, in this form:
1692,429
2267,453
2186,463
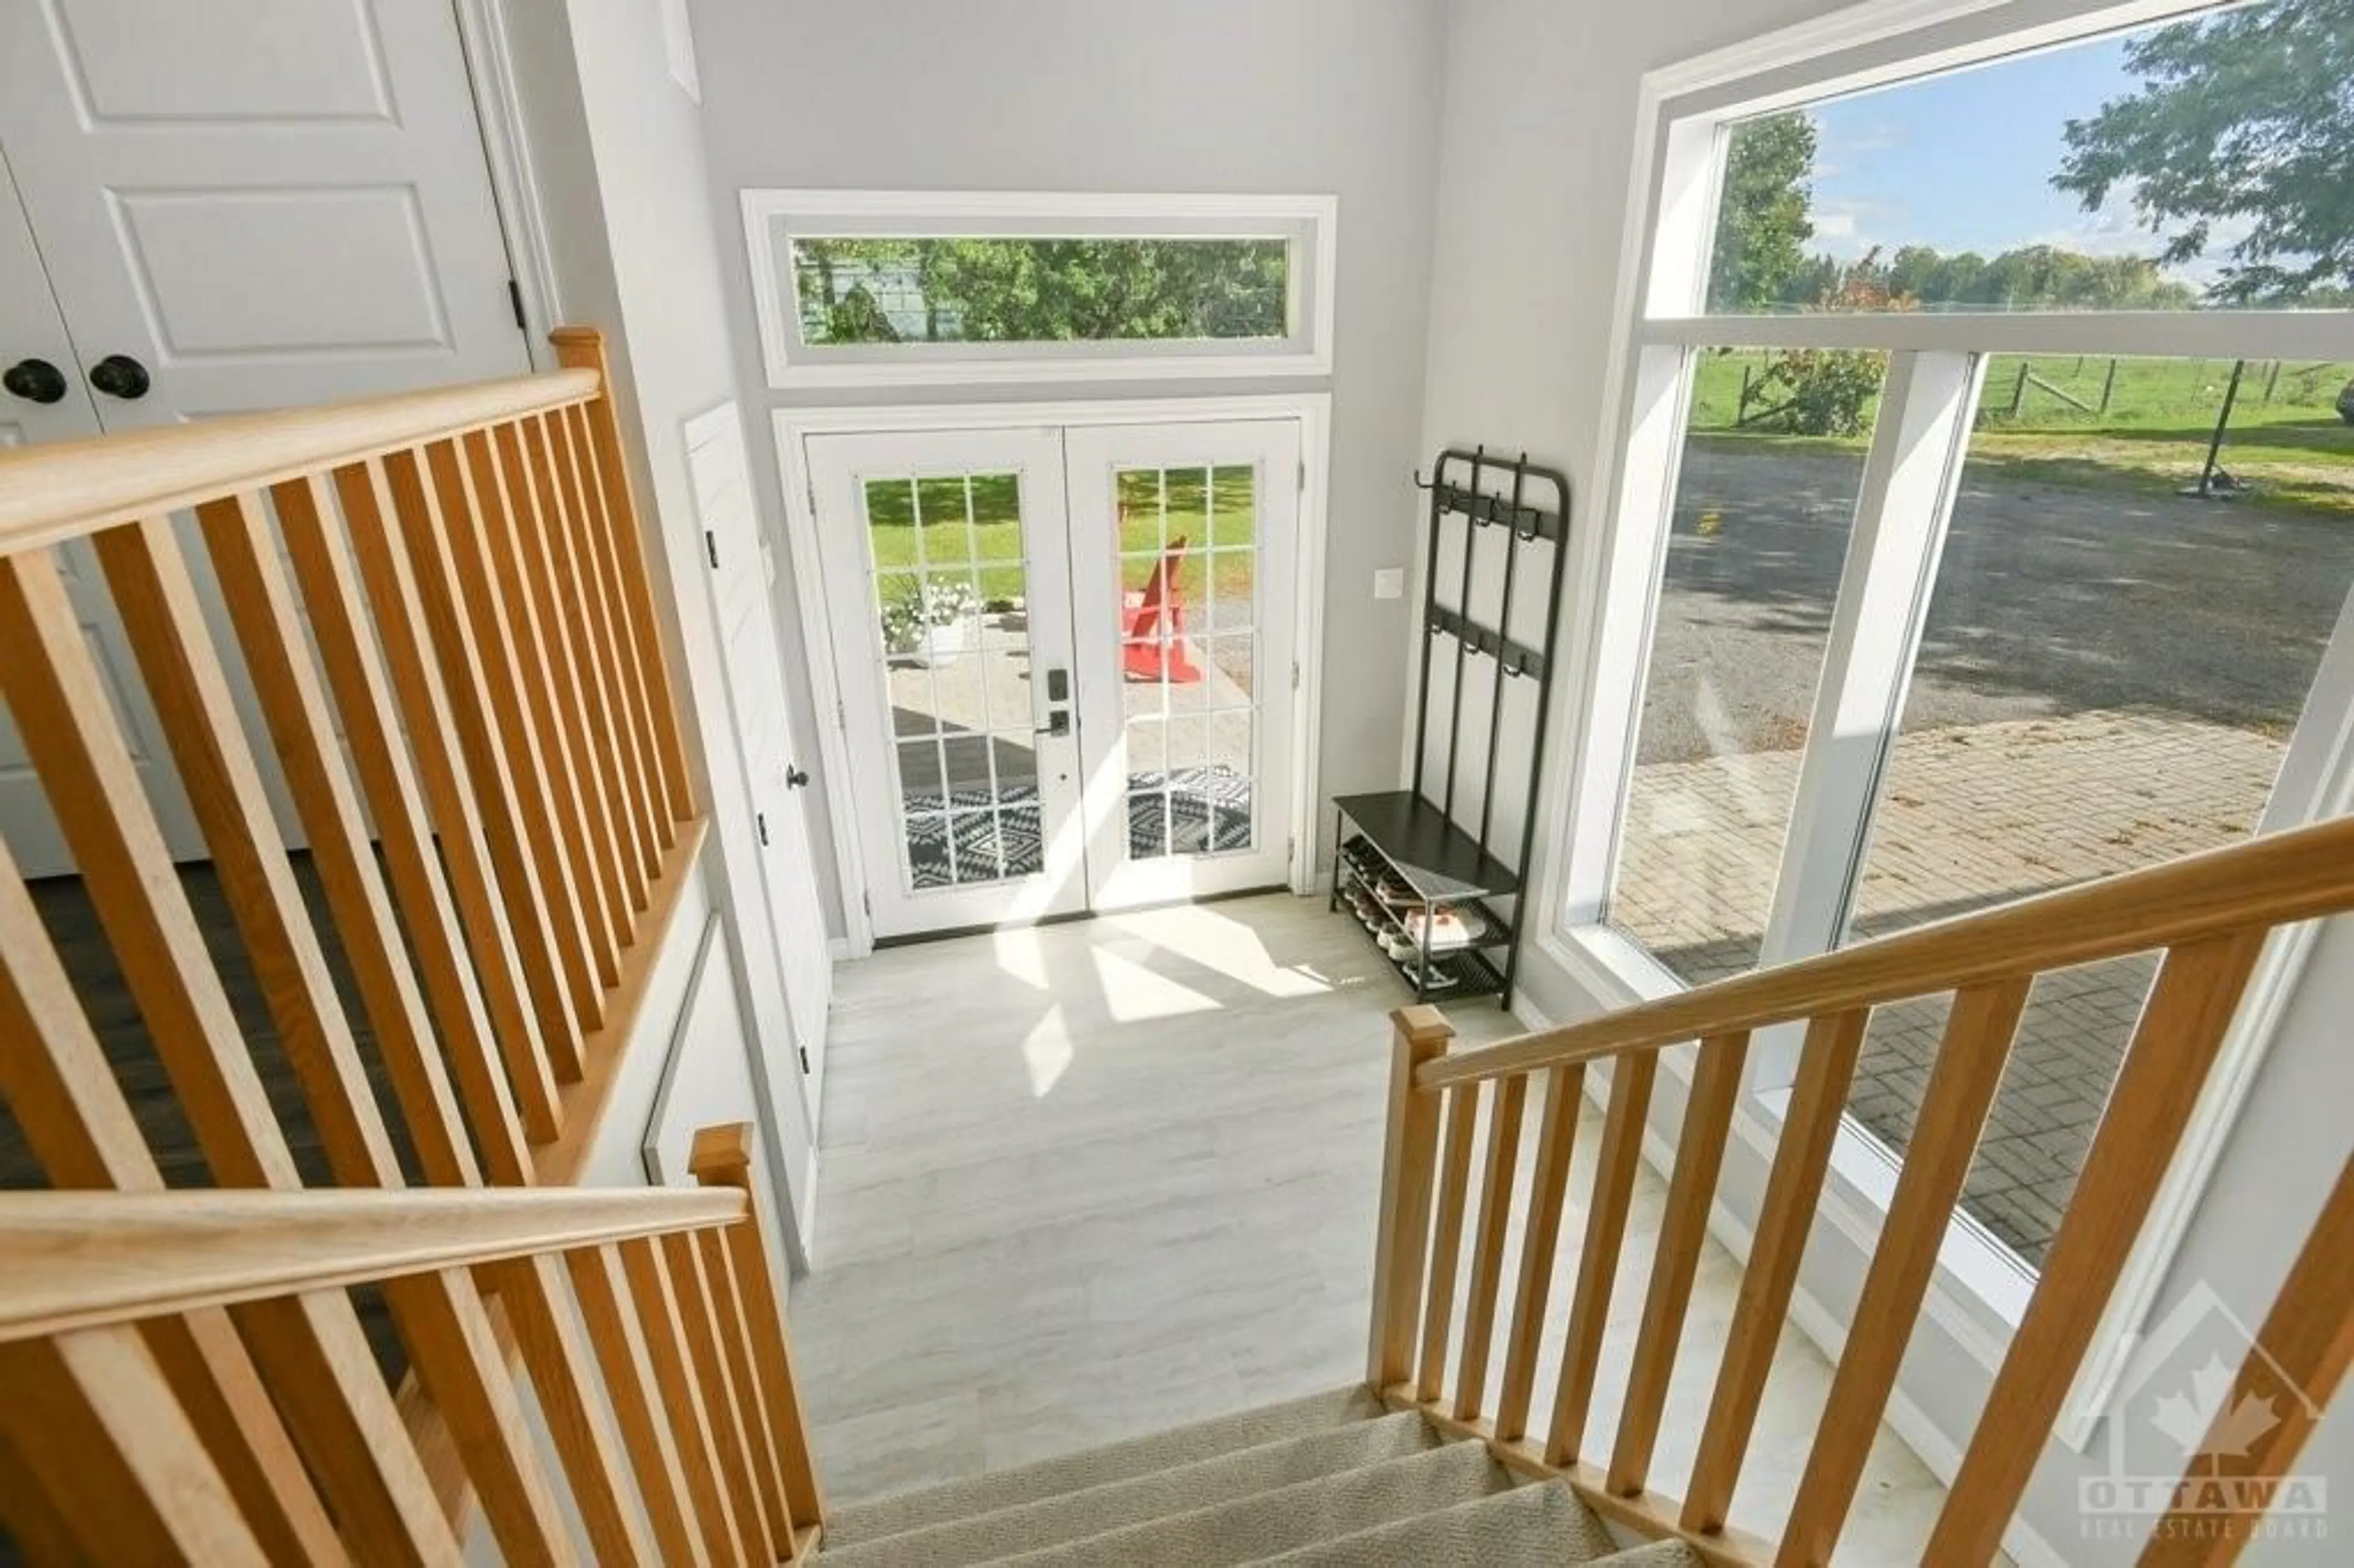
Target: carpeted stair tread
1266,1524
1540,1526
1091,1510
1655,1554
1144,1457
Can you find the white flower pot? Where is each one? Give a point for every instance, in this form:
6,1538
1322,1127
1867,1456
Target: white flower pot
944,645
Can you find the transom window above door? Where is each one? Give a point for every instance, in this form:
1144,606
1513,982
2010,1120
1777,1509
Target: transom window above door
868,288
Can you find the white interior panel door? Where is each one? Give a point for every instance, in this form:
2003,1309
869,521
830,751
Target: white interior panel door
263,202
247,205
947,569
46,400
1184,552
741,575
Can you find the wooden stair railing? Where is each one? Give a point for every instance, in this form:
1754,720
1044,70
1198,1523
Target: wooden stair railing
441,603
2209,916
648,1331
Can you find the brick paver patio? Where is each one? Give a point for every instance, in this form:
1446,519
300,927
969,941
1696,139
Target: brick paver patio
1971,816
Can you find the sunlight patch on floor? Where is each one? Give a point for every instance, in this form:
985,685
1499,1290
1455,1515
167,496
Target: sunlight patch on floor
1224,945
1134,994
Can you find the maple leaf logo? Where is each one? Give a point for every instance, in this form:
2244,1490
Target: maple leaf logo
2241,1424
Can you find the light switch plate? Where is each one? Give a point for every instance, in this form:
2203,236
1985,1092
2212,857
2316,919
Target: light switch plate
1389,582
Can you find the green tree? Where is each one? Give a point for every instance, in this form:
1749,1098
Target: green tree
2245,118
1762,226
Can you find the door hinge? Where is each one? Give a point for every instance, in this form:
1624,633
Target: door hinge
760,820
1295,674
1303,476
841,714
804,1052
711,547
866,902
515,300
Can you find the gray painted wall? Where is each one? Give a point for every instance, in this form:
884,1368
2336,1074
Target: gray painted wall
1539,127
1275,96
617,151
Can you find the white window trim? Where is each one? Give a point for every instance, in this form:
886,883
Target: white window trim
791,363
1663,248
794,427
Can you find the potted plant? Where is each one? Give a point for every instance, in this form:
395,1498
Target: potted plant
931,624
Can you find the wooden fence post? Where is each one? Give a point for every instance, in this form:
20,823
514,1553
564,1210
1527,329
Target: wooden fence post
1409,1163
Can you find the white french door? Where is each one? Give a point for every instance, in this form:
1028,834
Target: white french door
1064,661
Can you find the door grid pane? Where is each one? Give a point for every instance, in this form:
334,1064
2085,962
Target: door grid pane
950,605
1189,571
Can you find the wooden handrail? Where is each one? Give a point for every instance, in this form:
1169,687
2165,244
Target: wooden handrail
2270,880
74,1260
62,490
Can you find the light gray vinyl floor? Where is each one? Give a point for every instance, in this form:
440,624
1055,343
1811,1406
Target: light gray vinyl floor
1093,1179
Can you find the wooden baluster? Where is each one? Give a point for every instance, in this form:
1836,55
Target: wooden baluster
1684,1233
1962,1084
509,517
1505,1100
1826,1067
1548,1190
261,607
415,526
323,1375
557,1355
1408,1153
722,1157
638,701
505,928
56,1079
105,1438
2293,1370
355,672
2182,1028
734,1331
458,1359
721,1403
602,1291
1615,1167
1447,1239
636,805
581,348
664,1326
165,625
469,510
524,450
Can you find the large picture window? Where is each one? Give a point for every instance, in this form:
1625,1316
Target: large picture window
878,288
2011,546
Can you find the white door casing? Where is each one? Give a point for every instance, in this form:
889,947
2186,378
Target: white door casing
255,228
740,576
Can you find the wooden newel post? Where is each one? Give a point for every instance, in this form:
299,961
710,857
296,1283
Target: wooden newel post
1409,1164
722,1157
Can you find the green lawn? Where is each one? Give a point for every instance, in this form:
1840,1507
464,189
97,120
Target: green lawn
1221,513
2144,427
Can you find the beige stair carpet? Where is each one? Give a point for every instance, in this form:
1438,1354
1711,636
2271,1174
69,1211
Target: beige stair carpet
1332,1479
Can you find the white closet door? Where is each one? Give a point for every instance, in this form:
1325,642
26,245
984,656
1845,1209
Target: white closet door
265,203
248,205
741,577
53,405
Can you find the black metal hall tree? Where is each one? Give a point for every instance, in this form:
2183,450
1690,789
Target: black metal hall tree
1421,867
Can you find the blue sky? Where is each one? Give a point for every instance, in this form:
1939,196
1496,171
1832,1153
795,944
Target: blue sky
1964,162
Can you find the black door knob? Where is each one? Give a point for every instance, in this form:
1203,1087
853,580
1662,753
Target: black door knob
120,376
36,381
794,777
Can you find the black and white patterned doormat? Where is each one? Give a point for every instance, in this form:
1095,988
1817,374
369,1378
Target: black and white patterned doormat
1193,810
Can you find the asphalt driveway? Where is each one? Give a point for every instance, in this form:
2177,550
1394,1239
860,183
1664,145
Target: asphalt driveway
2051,601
